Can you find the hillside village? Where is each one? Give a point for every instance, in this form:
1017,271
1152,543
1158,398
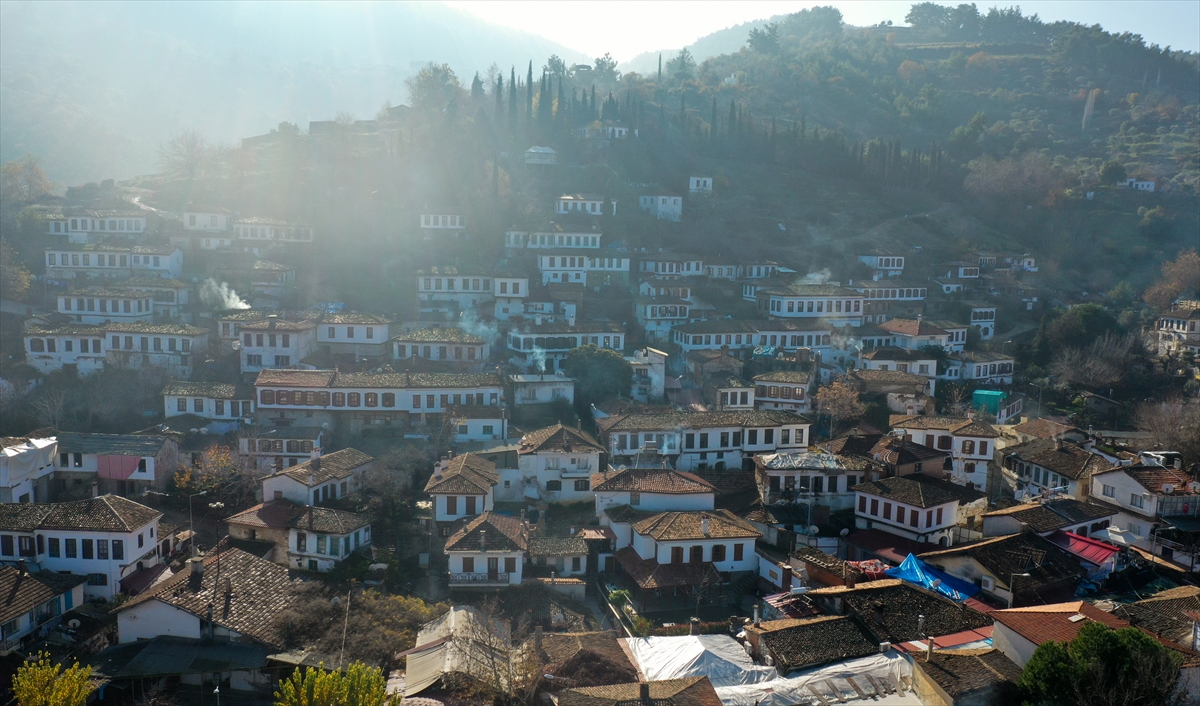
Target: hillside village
590,453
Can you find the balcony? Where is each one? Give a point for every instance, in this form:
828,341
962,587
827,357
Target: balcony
478,579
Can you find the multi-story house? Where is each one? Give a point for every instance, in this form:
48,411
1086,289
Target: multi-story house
539,389
983,367
1156,509
280,447
746,335
582,268
86,226
885,262
917,507
99,305
488,552
649,374
996,566
208,219
956,333
276,343
813,478
783,389
959,269
665,207
721,268
896,455
215,401
699,440
122,464
651,490
106,539
728,393
453,225
461,487
133,346
759,269
557,239
838,306
970,443
670,557
886,299
452,345
661,304
170,296
587,204
331,476
556,463
700,185
983,319
544,347
451,289
1053,466
256,233
510,291
911,334
902,359
26,465
357,401
34,604
305,537
1179,329
71,262
665,266
251,273
360,335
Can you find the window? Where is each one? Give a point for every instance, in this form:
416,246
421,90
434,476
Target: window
181,403
451,505
118,549
718,552
71,549
87,549
1109,491
635,498
697,554
1136,500
676,555
97,579
470,502
968,446
914,518
468,564
510,565
141,540
939,515
739,551
198,405
899,514
554,485
583,485
6,545
874,506
101,549
862,504
944,442
887,511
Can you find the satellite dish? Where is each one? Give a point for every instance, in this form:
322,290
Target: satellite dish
73,623
813,529
845,531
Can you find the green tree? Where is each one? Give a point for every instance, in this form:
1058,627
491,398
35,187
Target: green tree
600,373
765,40
22,181
433,88
682,66
1112,172
359,685
40,682
14,277
606,68
928,15
555,65
1103,666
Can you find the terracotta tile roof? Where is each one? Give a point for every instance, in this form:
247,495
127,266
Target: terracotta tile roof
489,532
294,378
21,592
787,376
669,526
439,335
1049,516
111,444
886,448
354,318
809,642
1040,624
650,480
467,474
956,426
261,590
216,390
648,573
1165,614
895,353
279,325
559,439
1045,428
961,672
22,517
1064,458
557,546
690,691
1150,477
919,490
107,513
339,464
626,514
283,514
828,562
889,608
1025,552
586,658
911,327
889,377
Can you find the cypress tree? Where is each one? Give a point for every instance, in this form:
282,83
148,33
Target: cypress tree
499,100
660,68
593,115
712,127
512,100
529,93
731,124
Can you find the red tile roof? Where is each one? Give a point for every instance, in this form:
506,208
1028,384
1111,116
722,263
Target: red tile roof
1040,624
911,327
650,480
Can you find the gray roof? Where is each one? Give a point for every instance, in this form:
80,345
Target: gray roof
111,444
557,546
107,513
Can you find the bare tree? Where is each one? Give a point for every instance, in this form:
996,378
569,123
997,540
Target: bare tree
1173,424
957,399
23,180
1102,364
184,155
840,401
50,406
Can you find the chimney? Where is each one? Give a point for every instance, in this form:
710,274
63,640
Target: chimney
787,578
228,587
483,539
757,617
210,620
95,489
197,566
537,636
704,525
694,626
644,693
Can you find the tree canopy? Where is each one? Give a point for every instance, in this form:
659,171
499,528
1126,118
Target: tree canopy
433,88
600,373
41,682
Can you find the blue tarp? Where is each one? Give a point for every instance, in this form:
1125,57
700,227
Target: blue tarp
916,571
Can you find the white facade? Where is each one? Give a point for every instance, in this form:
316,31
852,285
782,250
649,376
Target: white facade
649,374
208,221
106,261
433,221
924,524
587,204
559,267
700,185
255,233
645,501
836,305
555,476
505,565
276,344
542,389
970,451
747,335
519,239
102,305
886,263
23,462
541,155
133,346
447,284
707,439
544,347
664,207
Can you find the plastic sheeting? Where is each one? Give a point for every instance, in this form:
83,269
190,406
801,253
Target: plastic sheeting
916,571
719,657
826,681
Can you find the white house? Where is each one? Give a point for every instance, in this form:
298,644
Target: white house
651,490
454,225
124,464
32,601
884,262
970,443
700,185
334,475
559,238
746,335
106,539
542,389
888,298
917,507
587,269
911,334
901,359
959,269
98,305
488,552
816,478
544,347
443,344
111,261
461,486
1147,498
541,156
782,389
170,296
699,440
565,556
1179,329
276,343
256,233
649,374
1137,184
663,206
132,346
215,401
356,334
588,204
983,319
1043,466
82,226
208,220
556,463
836,305
449,285
983,367
510,293
671,265
280,447
48,349
306,537
26,464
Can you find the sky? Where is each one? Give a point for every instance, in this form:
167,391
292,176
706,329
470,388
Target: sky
626,29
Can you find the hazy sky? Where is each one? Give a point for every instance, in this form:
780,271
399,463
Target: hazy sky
626,29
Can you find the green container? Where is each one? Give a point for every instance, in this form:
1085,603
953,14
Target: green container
988,400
